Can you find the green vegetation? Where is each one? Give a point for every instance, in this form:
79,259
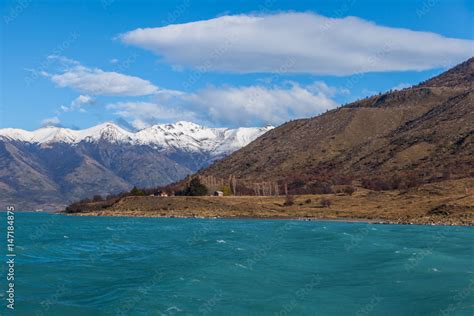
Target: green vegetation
136,192
227,190
195,188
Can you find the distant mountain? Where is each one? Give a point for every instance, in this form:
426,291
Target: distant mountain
51,166
420,133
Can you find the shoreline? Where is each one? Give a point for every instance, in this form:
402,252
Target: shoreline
301,219
370,221
444,203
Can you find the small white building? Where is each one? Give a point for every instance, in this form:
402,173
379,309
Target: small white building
218,193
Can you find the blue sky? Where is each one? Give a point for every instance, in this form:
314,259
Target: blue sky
245,63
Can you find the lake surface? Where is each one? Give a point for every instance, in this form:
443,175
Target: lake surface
144,266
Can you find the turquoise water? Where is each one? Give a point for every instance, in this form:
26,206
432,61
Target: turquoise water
136,266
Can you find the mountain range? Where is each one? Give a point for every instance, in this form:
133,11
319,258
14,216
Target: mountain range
391,140
418,134
52,166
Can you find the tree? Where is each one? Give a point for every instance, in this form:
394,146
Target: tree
136,192
233,183
196,188
226,190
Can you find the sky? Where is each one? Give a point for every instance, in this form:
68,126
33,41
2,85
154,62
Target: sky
217,63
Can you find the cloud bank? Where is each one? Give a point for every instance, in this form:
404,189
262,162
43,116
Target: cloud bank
231,106
95,81
267,105
317,45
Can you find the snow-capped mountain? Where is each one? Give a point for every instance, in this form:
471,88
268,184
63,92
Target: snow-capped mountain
52,134
181,136
53,166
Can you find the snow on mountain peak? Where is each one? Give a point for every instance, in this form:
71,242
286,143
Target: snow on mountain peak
182,135
107,131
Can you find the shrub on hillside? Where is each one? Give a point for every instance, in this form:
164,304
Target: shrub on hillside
289,200
325,203
341,180
376,184
392,183
348,189
320,187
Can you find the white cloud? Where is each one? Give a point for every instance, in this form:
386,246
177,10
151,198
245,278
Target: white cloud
77,103
144,114
82,99
95,81
316,44
234,106
51,121
268,105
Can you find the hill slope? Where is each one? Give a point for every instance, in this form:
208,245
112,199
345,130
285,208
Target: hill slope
416,134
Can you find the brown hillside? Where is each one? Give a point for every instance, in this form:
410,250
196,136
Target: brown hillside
460,76
421,133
